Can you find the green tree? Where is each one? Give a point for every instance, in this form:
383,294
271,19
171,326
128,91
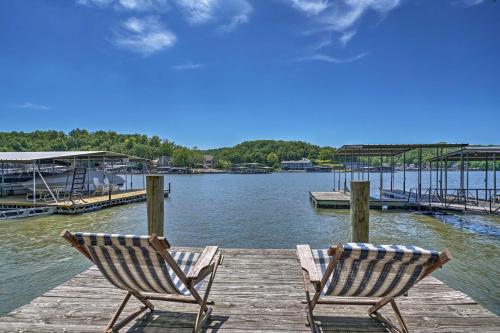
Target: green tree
326,154
166,148
272,159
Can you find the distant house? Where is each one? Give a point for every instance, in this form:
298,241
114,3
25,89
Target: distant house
302,164
208,161
352,165
165,161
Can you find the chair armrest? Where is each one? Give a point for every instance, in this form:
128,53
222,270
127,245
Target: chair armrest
307,263
203,262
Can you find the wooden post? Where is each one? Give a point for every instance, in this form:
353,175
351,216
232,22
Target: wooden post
154,196
3,173
360,211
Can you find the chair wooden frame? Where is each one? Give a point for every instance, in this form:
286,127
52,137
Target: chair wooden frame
206,264
312,277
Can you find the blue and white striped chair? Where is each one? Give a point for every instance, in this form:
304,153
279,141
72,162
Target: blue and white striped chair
365,274
145,264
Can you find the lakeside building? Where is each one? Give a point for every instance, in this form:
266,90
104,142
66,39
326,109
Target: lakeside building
251,168
164,161
302,164
208,161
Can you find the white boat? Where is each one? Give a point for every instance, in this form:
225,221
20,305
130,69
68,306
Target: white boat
63,181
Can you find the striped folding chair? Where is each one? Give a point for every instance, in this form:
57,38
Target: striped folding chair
365,274
145,264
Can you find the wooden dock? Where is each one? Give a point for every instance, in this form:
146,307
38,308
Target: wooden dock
342,200
257,290
89,203
452,203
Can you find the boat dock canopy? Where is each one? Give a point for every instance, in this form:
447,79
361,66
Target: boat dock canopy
472,153
48,156
390,149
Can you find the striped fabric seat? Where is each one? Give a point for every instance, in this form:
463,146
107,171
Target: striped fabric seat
131,263
366,270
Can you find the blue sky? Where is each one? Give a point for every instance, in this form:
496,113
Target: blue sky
212,73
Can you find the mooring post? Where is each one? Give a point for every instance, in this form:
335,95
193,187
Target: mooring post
360,211
154,197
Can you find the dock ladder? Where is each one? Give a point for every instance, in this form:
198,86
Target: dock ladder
78,184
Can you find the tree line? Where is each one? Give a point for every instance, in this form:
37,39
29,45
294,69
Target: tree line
268,152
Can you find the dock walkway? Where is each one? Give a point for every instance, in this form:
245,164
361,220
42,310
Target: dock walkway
337,199
89,203
257,290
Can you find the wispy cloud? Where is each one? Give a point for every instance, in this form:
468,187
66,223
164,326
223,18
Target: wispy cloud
99,3
336,20
28,105
132,5
341,16
143,35
188,66
311,7
236,12
197,11
469,3
330,59
228,14
346,37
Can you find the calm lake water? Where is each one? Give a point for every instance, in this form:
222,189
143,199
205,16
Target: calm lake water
251,211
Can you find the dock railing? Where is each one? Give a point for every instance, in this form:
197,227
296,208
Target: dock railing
485,199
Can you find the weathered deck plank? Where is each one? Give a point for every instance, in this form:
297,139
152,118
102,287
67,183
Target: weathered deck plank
254,291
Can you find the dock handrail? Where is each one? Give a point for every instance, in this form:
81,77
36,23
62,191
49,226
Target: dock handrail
484,198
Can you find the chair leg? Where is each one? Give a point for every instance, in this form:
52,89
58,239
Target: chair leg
200,318
399,317
118,312
113,326
310,303
143,300
373,312
310,316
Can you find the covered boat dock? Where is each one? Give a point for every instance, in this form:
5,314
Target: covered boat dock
68,182
366,161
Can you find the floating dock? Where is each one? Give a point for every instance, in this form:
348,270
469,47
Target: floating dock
452,203
89,203
342,200
397,199
258,290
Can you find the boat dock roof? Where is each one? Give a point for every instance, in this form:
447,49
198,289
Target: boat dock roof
390,149
472,153
49,156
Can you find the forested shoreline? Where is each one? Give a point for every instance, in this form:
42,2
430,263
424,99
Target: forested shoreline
268,152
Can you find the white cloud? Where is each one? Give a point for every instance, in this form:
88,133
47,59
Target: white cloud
341,15
29,105
132,5
469,3
99,3
235,12
311,7
347,36
142,5
227,13
188,66
330,59
144,35
198,11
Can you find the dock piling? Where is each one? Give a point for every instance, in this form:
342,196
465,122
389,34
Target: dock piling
155,209
360,211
